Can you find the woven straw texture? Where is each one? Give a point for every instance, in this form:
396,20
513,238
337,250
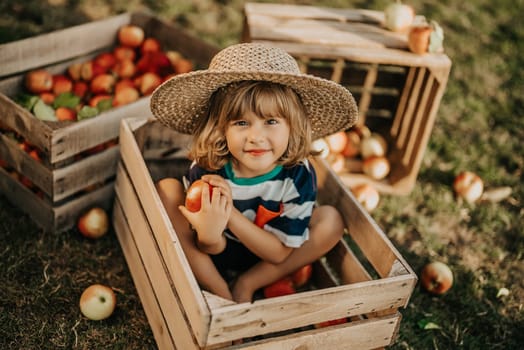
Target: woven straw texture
181,101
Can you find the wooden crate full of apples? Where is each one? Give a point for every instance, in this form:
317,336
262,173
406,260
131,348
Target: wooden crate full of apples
61,109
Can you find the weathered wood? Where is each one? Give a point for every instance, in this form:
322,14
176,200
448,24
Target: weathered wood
398,92
281,322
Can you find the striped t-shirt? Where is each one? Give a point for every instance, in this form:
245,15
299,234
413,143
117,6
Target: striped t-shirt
280,201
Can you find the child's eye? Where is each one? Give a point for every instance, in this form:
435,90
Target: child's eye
272,121
239,123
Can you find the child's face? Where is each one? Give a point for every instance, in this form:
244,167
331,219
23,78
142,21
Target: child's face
256,143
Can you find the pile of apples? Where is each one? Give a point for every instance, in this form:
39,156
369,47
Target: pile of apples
358,143
134,68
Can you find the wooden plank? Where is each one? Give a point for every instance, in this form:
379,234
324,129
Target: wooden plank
143,284
312,31
365,334
154,264
307,308
187,286
365,232
59,45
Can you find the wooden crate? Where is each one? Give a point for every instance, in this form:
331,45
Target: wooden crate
398,92
367,283
68,168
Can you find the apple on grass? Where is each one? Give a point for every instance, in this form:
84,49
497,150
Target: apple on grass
469,186
436,277
97,302
94,223
193,200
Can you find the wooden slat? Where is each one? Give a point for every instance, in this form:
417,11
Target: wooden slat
143,284
186,286
306,308
365,334
347,265
154,264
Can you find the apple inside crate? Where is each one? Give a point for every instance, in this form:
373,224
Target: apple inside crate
398,92
363,280
61,160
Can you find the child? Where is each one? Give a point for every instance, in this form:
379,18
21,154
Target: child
253,116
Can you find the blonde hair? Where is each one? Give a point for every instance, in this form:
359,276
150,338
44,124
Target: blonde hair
264,99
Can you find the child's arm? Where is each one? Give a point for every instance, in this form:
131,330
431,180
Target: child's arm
262,243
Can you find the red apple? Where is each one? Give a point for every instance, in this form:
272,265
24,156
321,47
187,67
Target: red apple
301,276
74,71
95,100
398,16
80,88
94,223
124,53
131,35
373,145
376,167
469,186
280,288
124,83
352,148
367,196
436,277
183,65
47,97
148,82
90,69
61,84
194,195
125,95
103,84
106,60
64,113
150,45
39,81
97,302
125,68
337,141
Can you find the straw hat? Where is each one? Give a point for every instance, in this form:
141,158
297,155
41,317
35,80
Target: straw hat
182,100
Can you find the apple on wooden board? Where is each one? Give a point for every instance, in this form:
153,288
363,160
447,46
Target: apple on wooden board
97,302
398,16
436,277
193,200
367,196
94,223
469,186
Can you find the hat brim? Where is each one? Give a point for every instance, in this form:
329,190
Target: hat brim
181,101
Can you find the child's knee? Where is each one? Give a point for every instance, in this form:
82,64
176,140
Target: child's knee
170,190
328,219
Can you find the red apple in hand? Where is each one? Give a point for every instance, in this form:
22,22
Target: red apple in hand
469,186
97,302
436,277
94,223
194,195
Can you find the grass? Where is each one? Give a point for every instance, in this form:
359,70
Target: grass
479,127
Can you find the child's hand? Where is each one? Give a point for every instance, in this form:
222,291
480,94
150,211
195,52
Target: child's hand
210,221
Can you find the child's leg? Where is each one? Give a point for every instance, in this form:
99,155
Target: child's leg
172,194
326,229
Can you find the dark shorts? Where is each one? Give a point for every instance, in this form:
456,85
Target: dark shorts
235,258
